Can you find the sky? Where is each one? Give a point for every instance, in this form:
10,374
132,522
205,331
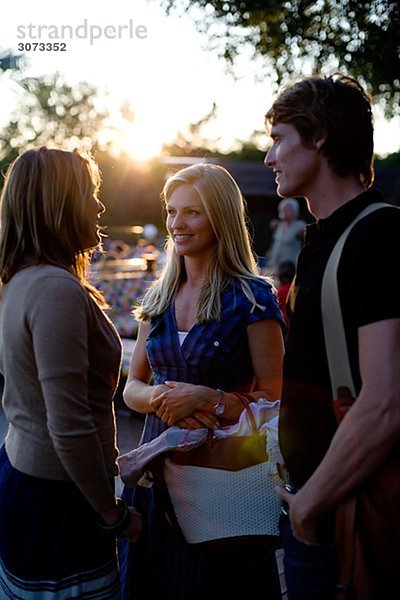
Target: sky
133,53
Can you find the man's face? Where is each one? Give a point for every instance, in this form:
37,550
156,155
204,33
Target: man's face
295,166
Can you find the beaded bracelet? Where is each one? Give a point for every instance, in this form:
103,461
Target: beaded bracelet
122,523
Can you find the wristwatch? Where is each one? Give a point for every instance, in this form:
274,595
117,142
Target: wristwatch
219,408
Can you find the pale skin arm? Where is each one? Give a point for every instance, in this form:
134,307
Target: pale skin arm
138,392
184,400
366,435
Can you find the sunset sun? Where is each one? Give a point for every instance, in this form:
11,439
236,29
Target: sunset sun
139,141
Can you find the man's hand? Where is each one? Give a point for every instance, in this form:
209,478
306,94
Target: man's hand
305,530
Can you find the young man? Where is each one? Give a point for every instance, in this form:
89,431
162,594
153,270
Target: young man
322,150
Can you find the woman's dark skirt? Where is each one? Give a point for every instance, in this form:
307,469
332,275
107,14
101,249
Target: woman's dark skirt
162,566
50,545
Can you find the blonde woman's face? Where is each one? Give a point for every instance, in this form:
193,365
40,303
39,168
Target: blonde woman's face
94,209
188,223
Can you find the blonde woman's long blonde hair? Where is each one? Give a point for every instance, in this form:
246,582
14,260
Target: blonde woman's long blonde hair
233,258
43,207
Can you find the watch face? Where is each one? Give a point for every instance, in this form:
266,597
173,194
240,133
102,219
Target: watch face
220,409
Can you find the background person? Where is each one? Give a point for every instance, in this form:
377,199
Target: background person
60,358
287,237
209,321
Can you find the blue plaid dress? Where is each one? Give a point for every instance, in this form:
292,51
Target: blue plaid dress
215,354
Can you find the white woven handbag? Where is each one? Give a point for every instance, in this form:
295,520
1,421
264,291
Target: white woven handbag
211,502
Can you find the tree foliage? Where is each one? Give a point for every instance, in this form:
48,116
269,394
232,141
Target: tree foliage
359,37
51,111
194,141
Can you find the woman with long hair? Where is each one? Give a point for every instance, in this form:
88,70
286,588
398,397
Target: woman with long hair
60,359
209,325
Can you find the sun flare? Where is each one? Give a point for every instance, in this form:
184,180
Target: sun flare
140,143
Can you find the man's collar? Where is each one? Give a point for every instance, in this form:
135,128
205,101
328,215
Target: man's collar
344,215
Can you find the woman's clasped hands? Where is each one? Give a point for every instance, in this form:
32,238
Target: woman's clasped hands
185,405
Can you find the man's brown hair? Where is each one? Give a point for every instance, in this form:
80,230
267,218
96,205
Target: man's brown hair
337,107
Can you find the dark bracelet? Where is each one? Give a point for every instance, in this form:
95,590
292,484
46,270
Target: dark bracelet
122,523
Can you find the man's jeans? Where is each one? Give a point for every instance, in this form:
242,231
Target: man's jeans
310,570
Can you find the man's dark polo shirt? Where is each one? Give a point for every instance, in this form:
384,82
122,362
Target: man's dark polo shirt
369,292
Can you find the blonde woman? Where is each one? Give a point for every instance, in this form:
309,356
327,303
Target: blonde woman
209,323
60,358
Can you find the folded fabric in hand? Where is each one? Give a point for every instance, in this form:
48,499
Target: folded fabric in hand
133,464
